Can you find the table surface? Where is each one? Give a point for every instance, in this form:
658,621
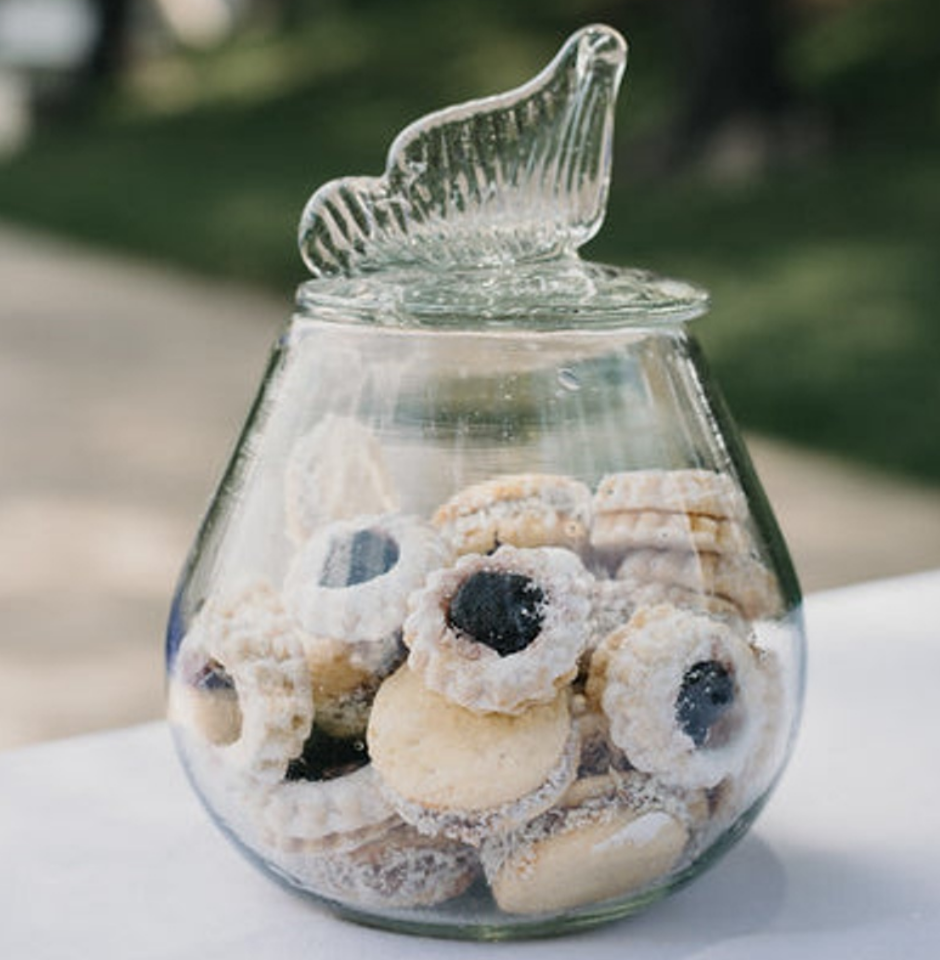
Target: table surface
105,852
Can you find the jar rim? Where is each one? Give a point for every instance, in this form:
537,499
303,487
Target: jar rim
562,295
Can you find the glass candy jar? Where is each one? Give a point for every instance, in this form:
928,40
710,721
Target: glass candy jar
489,630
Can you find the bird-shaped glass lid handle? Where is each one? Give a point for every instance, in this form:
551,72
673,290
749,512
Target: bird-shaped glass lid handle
519,177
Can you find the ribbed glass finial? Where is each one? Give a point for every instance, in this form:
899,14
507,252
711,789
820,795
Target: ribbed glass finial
518,177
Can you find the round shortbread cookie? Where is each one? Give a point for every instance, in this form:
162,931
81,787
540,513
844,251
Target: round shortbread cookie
741,579
682,692
534,600
691,491
252,640
335,472
524,510
396,868
614,532
596,846
449,770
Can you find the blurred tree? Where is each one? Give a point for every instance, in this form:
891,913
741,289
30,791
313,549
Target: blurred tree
732,107
732,50
737,111
109,53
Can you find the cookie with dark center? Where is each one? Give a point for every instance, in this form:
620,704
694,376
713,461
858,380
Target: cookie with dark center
358,558
500,633
683,694
350,582
706,694
502,610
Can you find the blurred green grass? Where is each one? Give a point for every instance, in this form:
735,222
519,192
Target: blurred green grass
825,279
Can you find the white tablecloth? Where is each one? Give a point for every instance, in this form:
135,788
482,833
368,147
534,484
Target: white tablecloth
105,853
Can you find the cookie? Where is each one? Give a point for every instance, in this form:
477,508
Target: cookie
335,471
351,580
344,682
348,589
333,832
327,801
449,770
738,792
331,812
251,642
524,510
203,696
231,793
500,632
599,756
601,842
614,532
740,579
682,692
704,493
395,868
613,602
294,824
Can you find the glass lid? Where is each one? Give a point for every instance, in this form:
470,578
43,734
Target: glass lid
480,212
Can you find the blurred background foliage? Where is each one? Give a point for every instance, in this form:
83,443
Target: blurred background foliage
783,153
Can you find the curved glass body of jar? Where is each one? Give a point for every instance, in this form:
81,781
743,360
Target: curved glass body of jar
489,631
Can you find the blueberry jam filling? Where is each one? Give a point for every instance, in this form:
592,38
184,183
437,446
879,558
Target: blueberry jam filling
359,558
706,694
502,610
325,758
213,677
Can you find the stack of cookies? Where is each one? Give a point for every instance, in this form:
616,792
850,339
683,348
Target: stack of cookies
682,536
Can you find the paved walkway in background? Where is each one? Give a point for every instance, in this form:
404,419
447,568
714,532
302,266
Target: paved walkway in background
122,387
